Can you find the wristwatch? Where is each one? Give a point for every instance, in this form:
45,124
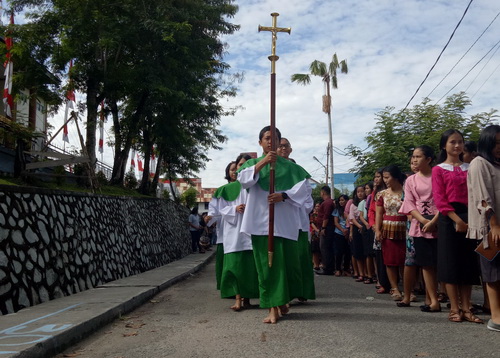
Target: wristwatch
284,196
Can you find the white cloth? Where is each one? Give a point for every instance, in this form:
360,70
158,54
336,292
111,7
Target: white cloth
234,240
287,214
304,214
483,181
214,212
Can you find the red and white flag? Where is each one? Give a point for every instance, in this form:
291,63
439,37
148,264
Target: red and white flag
101,129
70,104
139,163
132,161
152,164
8,100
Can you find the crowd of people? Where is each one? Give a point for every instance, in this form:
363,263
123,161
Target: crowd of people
418,231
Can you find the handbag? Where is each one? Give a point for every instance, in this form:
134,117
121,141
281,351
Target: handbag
491,252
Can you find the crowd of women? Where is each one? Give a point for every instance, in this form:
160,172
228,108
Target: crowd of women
426,226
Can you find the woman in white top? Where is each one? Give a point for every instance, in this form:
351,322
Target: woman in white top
484,206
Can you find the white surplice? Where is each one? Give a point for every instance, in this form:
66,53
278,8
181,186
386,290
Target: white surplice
287,214
234,240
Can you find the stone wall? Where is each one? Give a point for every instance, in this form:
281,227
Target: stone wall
55,243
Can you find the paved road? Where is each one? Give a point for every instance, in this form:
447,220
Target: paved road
348,319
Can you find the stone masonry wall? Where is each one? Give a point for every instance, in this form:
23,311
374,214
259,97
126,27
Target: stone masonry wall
55,243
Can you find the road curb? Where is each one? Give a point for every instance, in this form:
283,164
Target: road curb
68,337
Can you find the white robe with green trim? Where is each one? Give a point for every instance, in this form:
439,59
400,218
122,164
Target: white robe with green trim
287,214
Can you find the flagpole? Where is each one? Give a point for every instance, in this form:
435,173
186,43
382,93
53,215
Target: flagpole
273,58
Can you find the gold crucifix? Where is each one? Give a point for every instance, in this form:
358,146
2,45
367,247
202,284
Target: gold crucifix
274,29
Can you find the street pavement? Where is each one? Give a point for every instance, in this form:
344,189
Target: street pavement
189,319
46,329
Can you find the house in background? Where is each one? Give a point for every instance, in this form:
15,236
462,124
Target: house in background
203,197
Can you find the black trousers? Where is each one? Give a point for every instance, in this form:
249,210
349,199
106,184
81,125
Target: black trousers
195,240
342,253
326,245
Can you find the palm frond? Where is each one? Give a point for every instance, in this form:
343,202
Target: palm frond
334,82
343,66
335,60
301,78
318,68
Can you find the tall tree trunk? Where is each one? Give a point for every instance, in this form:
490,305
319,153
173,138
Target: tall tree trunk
122,152
92,102
144,187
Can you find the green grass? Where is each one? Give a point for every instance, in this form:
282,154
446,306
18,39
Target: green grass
104,190
9,181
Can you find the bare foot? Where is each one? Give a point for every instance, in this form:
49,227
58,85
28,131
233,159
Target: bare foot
273,316
237,305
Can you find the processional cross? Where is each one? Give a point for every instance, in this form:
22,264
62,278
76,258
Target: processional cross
273,58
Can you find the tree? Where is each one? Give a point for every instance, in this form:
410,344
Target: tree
397,133
316,193
158,65
328,76
188,198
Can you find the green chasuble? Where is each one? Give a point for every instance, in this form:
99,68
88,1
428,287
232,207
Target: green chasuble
229,192
286,173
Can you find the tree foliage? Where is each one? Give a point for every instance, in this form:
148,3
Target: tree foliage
157,65
188,198
397,133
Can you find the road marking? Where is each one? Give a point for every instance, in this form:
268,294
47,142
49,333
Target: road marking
13,332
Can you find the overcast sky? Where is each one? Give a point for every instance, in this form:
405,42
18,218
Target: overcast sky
389,47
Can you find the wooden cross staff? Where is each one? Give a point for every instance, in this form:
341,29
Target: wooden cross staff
273,58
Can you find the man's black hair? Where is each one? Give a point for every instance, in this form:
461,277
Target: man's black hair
268,129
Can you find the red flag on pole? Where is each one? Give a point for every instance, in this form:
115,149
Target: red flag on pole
132,161
139,163
8,100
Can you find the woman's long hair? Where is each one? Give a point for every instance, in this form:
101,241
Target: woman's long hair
487,142
442,145
340,208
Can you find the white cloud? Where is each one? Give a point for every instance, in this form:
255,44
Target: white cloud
389,46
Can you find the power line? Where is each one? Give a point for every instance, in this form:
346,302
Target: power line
477,63
485,81
466,52
444,48
481,70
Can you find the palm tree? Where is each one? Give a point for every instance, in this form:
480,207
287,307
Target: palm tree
328,76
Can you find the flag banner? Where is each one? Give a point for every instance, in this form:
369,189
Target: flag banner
132,161
8,100
139,163
101,129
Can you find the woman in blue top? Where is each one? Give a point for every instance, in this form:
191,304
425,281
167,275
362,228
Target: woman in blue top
341,235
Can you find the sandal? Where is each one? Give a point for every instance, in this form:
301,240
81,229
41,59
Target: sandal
368,281
455,316
381,290
338,273
360,279
403,304
427,308
395,296
470,317
413,298
442,297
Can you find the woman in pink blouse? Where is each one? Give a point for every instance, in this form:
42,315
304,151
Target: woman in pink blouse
419,203
457,261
